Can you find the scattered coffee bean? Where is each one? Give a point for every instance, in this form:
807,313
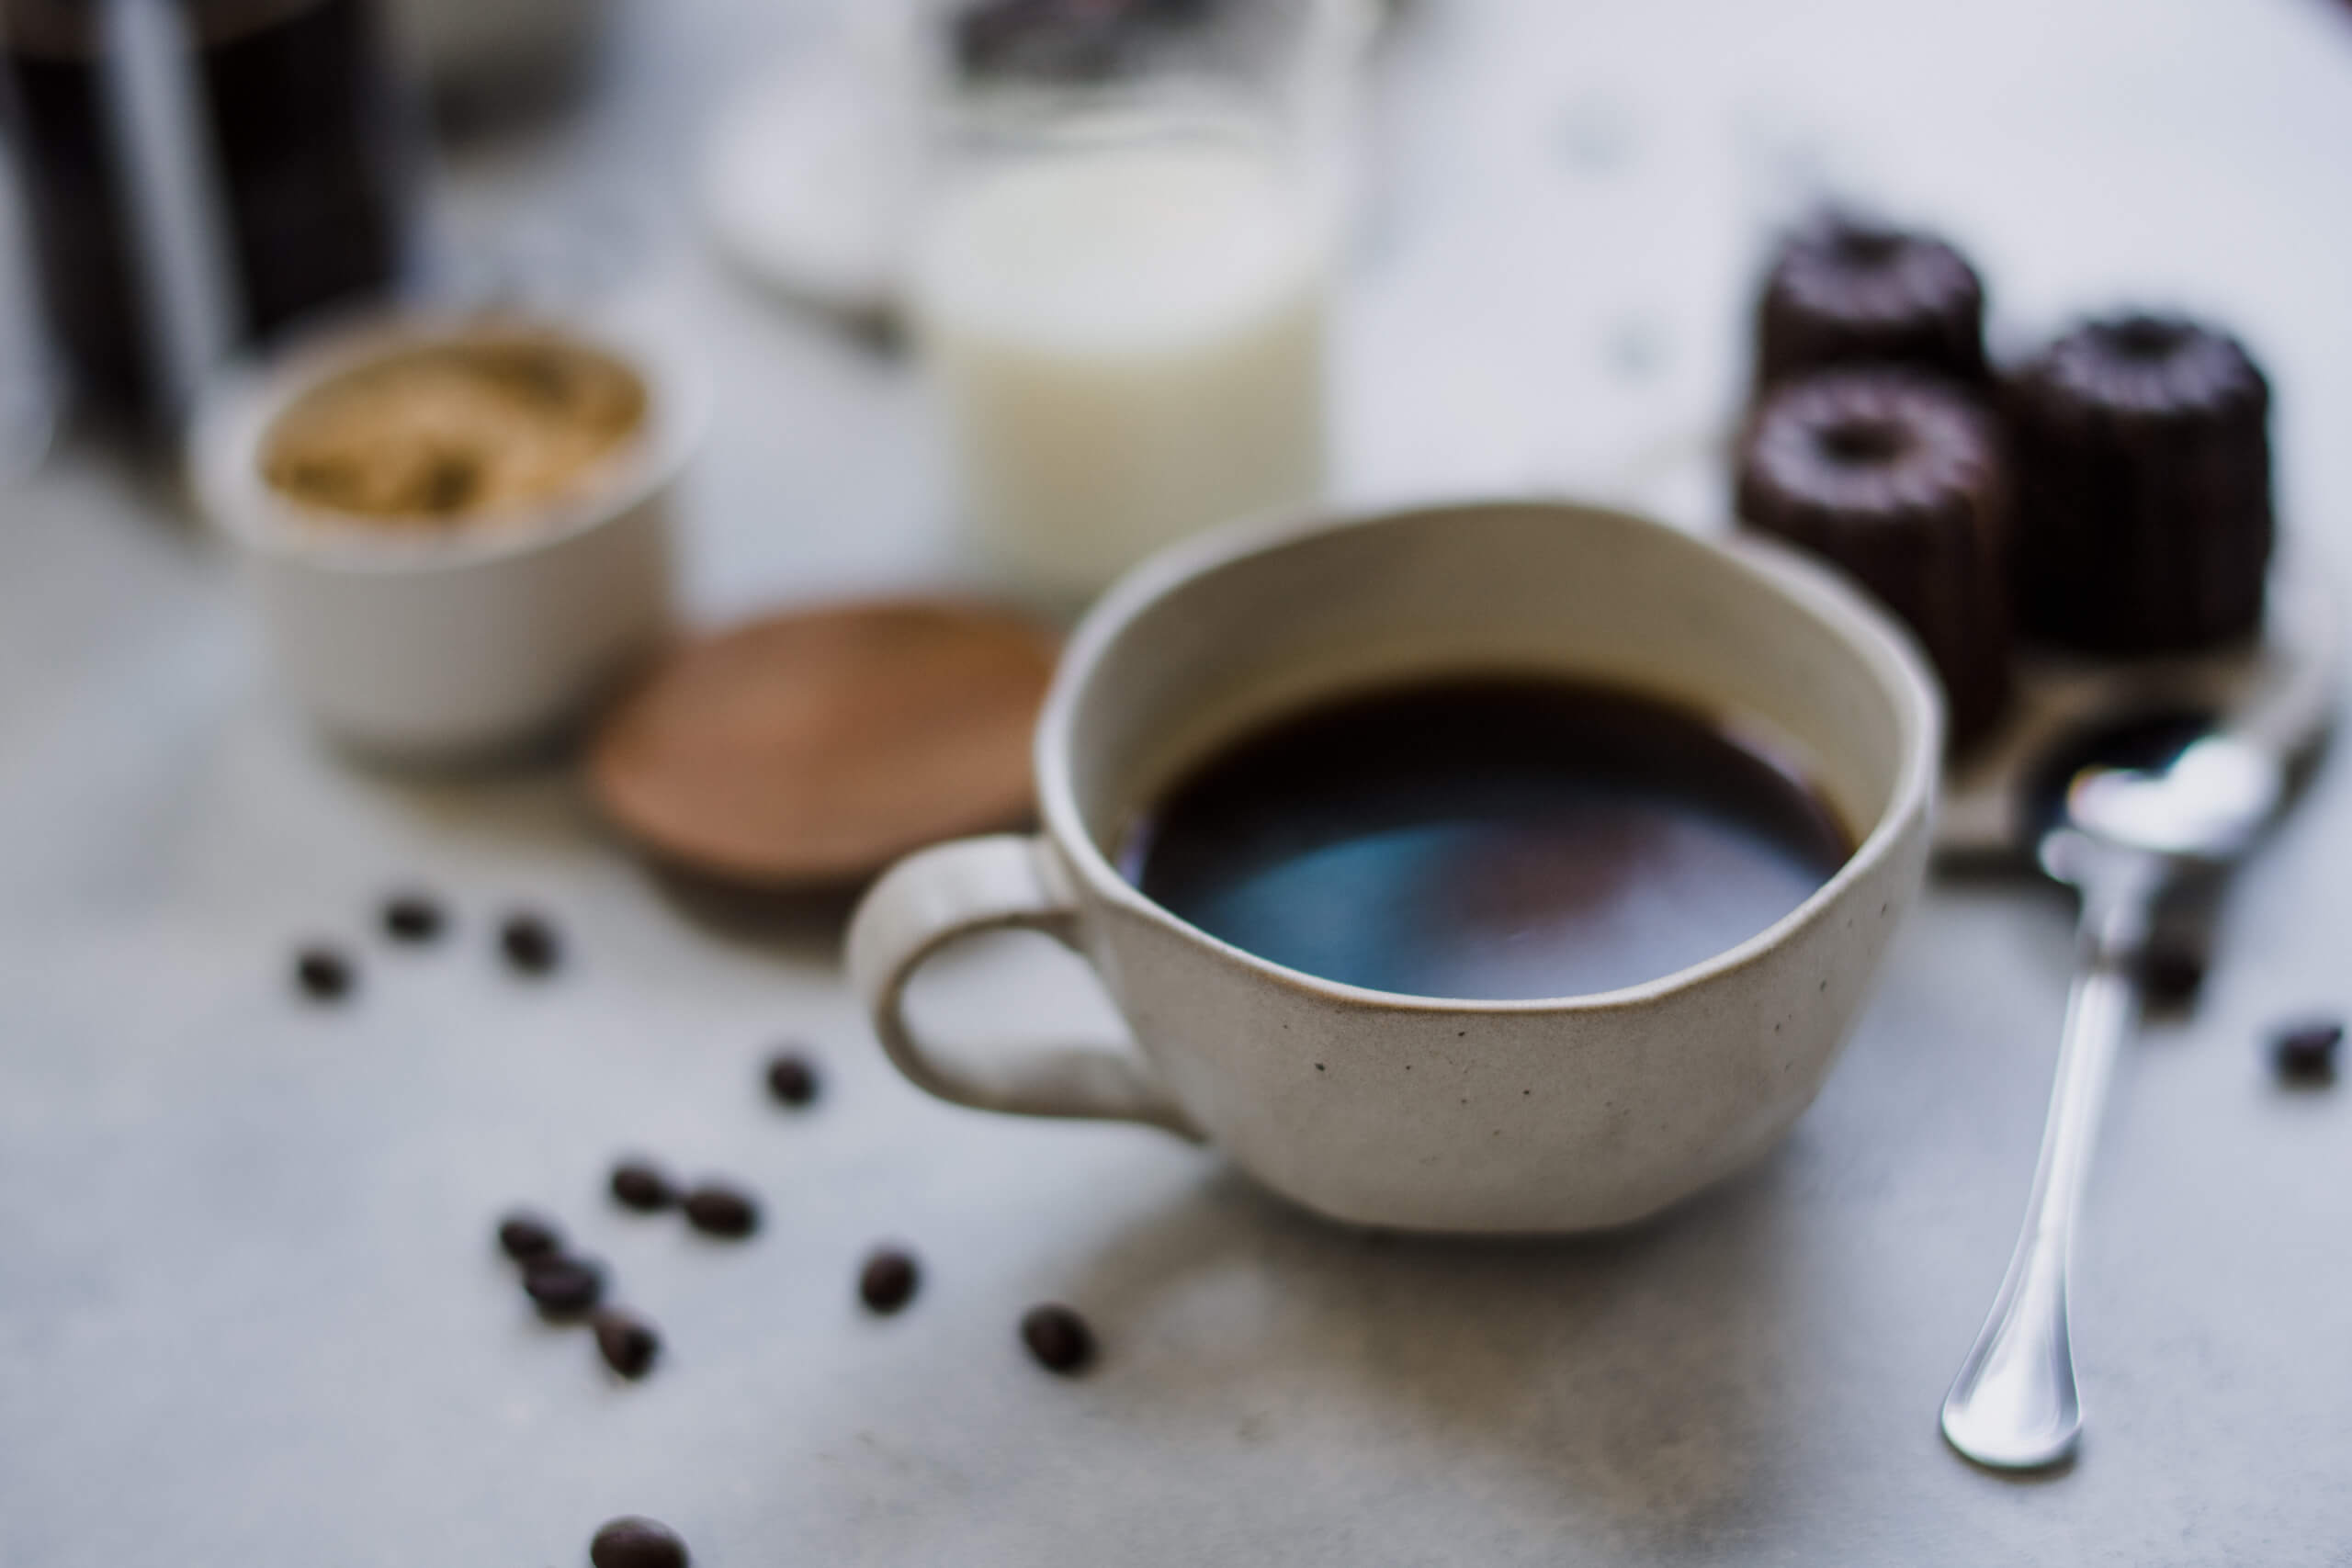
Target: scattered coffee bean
563,1287
791,1079
2172,978
523,1236
2306,1053
888,1280
635,1542
1058,1338
628,1343
323,974
715,1209
639,1184
412,917
530,944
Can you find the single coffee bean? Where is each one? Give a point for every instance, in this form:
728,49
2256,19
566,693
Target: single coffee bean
2172,978
522,1235
791,1079
563,1287
323,974
412,917
628,1343
717,1209
1058,1338
2306,1053
637,1543
530,944
888,1280
639,1184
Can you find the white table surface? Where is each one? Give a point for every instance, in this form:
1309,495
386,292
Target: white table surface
248,1309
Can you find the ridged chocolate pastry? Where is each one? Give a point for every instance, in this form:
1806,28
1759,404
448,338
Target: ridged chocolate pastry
1900,478
2142,453
1844,291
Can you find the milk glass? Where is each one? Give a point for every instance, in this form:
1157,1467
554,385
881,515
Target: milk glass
1121,266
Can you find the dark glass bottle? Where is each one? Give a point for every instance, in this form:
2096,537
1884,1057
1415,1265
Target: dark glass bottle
73,192
264,144
312,152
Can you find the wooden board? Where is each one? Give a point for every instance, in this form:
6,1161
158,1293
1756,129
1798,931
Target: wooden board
817,747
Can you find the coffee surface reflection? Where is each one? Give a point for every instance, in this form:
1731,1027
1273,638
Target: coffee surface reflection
1492,838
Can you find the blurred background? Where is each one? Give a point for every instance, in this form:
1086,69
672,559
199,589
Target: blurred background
1537,229
1558,219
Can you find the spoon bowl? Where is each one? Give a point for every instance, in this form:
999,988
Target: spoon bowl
2207,804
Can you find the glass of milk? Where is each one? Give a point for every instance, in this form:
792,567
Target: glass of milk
1122,270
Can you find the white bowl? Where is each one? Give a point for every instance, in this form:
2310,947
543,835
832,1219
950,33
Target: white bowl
476,641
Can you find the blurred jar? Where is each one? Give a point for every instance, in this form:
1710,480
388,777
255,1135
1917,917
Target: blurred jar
490,61
198,175
1121,273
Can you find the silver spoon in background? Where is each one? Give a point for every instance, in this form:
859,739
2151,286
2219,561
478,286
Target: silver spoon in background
2123,838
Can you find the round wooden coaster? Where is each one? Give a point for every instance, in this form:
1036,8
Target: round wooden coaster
819,746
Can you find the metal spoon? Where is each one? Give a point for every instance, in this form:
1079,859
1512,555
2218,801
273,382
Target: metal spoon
2123,838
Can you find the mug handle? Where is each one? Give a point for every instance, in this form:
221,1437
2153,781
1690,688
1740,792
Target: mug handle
1001,882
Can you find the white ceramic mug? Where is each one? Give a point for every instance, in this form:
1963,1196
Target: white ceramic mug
1551,1115
468,643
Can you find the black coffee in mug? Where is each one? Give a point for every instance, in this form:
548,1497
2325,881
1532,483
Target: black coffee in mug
1492,838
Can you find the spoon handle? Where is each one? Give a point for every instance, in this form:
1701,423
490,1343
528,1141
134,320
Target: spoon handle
2013,1405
